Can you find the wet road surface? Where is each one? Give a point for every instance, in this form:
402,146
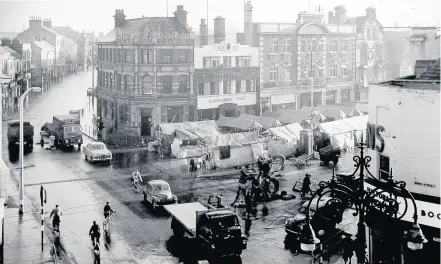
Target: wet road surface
138,234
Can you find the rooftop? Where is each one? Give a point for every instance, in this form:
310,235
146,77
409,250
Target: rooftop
43,45
13,53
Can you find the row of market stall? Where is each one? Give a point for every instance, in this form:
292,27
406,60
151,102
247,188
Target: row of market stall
232,142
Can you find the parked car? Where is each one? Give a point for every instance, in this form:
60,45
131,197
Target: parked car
97,151
158,193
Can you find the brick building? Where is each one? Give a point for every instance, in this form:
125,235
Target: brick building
145,73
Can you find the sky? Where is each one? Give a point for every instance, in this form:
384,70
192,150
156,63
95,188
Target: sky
89,15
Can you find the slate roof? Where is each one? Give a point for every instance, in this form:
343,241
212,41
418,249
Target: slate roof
44,45
164,24
13,53
432,73
70,33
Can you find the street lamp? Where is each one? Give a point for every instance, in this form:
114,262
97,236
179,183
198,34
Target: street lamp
20,105
383,198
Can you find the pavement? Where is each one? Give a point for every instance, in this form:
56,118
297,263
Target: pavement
138,234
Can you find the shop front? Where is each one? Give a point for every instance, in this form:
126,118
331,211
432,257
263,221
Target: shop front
229,105
283,102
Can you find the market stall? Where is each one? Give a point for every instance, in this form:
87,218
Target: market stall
265,122
232,124
346,132
284,139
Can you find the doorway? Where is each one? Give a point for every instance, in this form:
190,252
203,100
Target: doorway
146,122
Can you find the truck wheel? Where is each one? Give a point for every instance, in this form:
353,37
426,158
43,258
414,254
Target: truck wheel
79,147
42,142
326,162
335,161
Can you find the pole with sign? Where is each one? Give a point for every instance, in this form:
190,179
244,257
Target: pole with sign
42,202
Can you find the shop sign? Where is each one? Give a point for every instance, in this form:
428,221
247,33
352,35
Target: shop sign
283,99
226,73
429,214
374,140
210,102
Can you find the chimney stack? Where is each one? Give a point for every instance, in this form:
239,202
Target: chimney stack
47,23
203,31
219,30
181,15
341,14
119,17
331,17
35,22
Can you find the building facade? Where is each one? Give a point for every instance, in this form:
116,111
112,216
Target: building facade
42,64
412,156
145,73
226,80
11,75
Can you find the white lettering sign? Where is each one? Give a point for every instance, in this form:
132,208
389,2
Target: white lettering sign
429,214
210,102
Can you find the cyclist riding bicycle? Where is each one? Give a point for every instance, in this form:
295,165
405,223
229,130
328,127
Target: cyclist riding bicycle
56,216
107,210
136,179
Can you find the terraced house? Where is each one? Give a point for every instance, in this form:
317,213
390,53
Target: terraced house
145,73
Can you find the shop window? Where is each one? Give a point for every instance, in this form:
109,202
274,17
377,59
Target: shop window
175,114
214,88
201,88
225,152
167,56
227,61
227,87
243,61
167,84
183,84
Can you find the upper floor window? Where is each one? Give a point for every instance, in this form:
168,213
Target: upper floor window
312,45
303,45
344,46
147,56
344,70
312,71
127,55
250,86
363,53
333,46
274,44
375,32
201,88
333,70
183,84
241,86
243,61
288,73
287,47
368,33
182,55
320,45
320,71
227,87
214,88
210,62
273,73
167,84
167,56
227,61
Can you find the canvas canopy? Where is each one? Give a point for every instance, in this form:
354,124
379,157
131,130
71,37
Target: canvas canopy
345,132
290,132
274,115
233,139
239,123
190,130
265,122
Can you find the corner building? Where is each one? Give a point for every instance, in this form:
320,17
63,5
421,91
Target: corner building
145,73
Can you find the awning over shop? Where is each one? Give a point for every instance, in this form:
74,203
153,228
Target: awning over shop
239,123
265,122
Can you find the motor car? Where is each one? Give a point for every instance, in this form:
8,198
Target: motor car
158,193
97,151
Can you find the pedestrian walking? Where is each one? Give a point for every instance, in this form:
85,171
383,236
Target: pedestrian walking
192,166
306,186
51,141
242,185
348,249
96,253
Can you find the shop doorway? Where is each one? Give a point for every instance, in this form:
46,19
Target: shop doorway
146,122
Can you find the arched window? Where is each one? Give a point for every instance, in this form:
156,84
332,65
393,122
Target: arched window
147,84
378,52
363,53
183,84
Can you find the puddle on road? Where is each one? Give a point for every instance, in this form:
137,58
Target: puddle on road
130,159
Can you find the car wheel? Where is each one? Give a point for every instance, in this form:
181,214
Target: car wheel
154,205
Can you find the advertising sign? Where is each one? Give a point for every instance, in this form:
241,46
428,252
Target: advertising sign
231,73
214,101
429,214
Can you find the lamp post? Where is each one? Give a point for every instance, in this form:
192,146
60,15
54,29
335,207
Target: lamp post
21,151
383,198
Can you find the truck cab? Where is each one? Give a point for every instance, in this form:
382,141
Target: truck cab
219,232
14,134
67,130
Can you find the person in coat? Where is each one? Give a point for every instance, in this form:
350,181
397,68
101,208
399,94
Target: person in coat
306,186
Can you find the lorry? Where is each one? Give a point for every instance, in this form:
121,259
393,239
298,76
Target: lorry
217,231
14,135
66,129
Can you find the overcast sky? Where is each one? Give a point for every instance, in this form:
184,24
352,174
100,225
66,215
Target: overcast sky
97,15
